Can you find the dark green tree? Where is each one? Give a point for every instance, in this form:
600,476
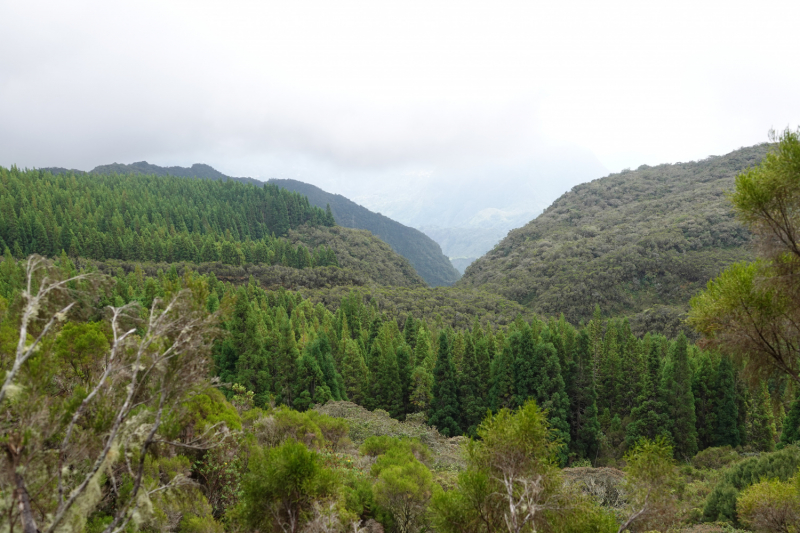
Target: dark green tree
677,391
791,424
727,419
502,394
472,399
444,412
584,425
706,398
650,418
354,372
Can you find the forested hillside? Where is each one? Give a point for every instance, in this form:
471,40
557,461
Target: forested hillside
169,219
198,170
421,251
640,241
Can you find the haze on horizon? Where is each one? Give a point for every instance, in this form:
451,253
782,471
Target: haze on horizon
400,106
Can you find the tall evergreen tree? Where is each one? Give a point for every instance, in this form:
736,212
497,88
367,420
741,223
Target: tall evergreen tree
677,390
310,386
791,424
354,372
472,401
706,398
444,410
410,331
285,363
550,394
502,394
524,367
650,416
760,420
584,425
727,410
404,369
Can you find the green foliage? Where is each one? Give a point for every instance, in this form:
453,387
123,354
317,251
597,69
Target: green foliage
145,217
650,417
444,411
421,251
651,482
771,505
281,486
761,431
750,309
582,393
791,426
721,503
715,458
727,413
677,391
511,482
403,484
629,242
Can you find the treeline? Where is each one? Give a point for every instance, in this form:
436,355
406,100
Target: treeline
153,218
602,386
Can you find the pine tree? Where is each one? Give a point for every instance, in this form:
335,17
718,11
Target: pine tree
550,394
502,394
791,424
242,357
410,331
444,410
650,416
421,393
310,387
285,364
421,387
726,431
610,370
629,377
705,400
760,421
472,402
354,372
320,349
524,366
584,425
677,390
404,369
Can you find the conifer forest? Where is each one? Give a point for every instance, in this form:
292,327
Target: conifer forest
194,355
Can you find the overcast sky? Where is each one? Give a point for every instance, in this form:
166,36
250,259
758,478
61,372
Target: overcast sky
336,93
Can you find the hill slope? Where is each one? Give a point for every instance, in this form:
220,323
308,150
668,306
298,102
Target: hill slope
631,242
362,252
148,218
421,251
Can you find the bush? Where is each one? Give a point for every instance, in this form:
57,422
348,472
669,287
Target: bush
771,505
283,486
715,458
379,445
721,503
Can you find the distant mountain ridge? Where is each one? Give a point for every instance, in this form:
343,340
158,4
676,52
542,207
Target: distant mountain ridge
424,254
422,251
638,243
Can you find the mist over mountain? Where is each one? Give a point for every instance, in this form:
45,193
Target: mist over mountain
469,211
